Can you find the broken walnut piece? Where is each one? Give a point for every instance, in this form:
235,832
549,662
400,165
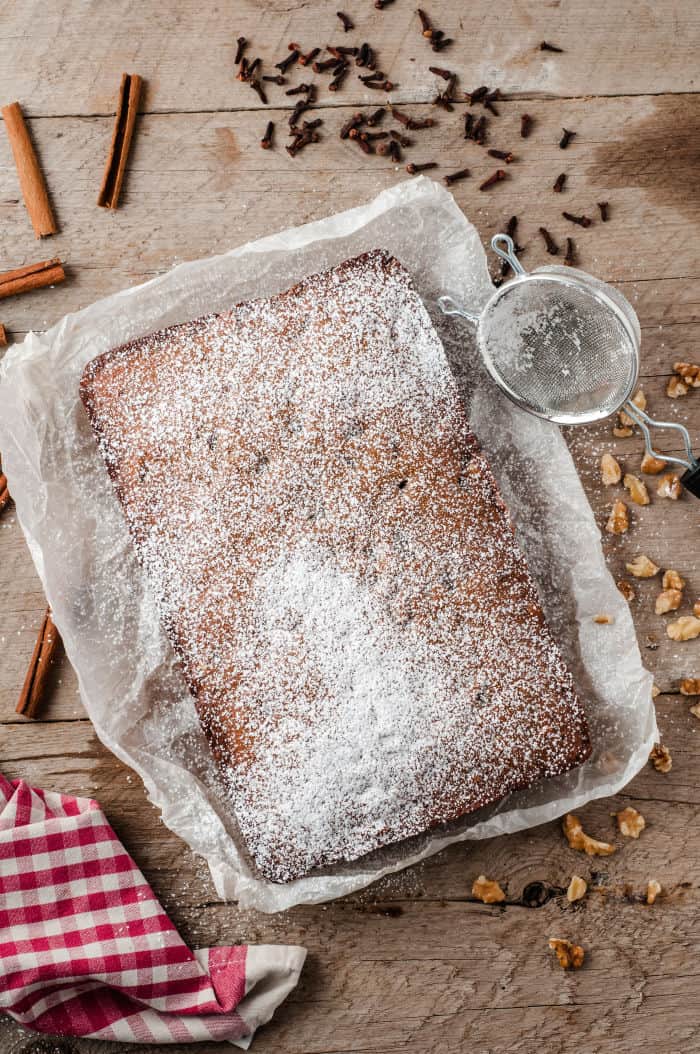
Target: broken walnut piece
487,890
578,839
655,691
619,519
642,567
653,890
676,387
690,686
577,889
651,466
637,489
689,373
670,486
569,956
687,627
660,758
610,471
630,823
695,710
627,590
639,399
622,433
668,600
672,580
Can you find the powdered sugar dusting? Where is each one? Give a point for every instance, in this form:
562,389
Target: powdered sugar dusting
334,565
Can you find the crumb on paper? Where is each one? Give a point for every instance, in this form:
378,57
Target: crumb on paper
603,620
487,890
637,489
690,686
660,758
675,388
651,466
653,890
689,372
630,823
610,471
569,956
578,839
642,567
577,889
687,627
627,590
619,519
668,600
670,486
672,580
639,399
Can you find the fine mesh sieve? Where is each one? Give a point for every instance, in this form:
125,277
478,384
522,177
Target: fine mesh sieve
565,346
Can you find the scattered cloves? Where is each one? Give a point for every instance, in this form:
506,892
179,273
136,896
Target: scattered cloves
455,177
279,79
426,27
284,65
559,183
352,122
305,60
412,123
544,46
327,64
502,155
440,72
381,4
259,90
242,43
301,89
376,117
570,258
604,213
402,140
468,124
566,138
497,176
580,221
552,247
394,151
479,132
266,141
525,125
346,22
477,95
340,75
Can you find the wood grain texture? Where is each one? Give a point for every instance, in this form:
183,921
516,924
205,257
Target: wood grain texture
444,973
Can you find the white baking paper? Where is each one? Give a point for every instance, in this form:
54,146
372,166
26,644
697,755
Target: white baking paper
131,688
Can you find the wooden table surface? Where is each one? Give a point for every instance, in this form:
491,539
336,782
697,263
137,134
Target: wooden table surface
441,972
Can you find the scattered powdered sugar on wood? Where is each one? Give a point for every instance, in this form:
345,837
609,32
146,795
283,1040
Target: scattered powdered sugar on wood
334,566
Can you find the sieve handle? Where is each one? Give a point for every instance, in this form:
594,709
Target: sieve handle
691,481
691,477
504,246
448,306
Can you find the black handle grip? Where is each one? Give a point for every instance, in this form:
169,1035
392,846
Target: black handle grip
691,480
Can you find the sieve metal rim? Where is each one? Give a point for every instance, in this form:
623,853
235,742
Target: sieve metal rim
597,294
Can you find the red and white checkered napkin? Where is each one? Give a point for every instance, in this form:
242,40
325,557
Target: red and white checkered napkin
87,950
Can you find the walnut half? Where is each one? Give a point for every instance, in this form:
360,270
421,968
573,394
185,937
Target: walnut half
689,372
676,387
668,600
672,580
660,758
690,686
578,839
637,489
619,519
642,567
569,956
687,627
610,471
487,890
670,486
630,823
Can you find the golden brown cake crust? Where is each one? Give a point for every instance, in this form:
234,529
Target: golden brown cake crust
335,566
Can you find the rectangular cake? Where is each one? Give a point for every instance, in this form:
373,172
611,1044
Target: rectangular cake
335,567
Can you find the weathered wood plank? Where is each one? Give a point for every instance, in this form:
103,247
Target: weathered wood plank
67,57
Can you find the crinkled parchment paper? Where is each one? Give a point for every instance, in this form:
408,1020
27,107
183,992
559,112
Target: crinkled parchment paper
129,683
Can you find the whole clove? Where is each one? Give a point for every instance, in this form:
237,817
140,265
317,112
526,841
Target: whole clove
259,90
381,4
395,151
502,155
490,99
376,75
301,107
426,27
243,73
385,86
363,144
477,95
440,45
284,65
479,131
301,89
455,177
365,57
512,227
497,176
341,52
266,141
305,60
413,168
353,122
581,221
544,46
242,44
346,22
279,79
446,98
302,138
327,64
604,213
253,67
552,247
376,117
414,124
566,138
340,75
440,72
525,125
511,230
468,125
402,140
559,183
570,258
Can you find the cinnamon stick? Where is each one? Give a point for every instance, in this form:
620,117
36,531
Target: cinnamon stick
127,108
42,659
34,276
31,179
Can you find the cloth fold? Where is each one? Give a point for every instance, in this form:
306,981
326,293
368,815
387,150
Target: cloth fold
86,949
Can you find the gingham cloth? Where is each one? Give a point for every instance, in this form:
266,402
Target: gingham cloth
87,950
